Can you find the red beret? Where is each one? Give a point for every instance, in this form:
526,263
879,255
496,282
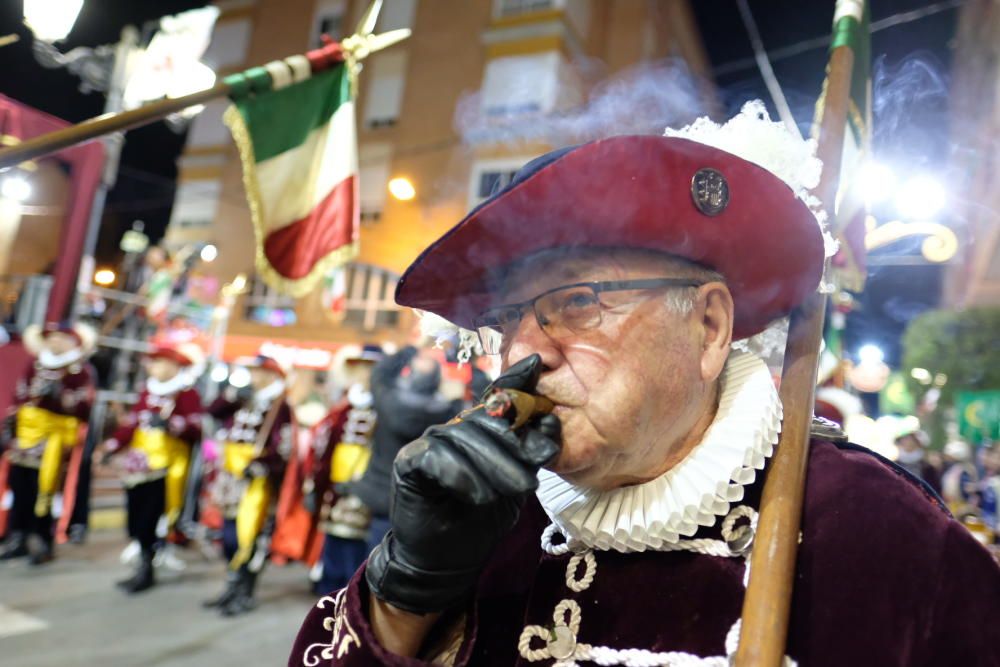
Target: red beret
656,193
170,353
263,362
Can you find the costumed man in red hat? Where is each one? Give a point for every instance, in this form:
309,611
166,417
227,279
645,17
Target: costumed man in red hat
52,404
152,447
256,437
342,451
600,508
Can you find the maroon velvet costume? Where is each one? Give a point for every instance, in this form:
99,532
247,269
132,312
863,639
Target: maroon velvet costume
884,577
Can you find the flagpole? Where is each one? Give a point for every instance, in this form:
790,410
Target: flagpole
93,128
766,607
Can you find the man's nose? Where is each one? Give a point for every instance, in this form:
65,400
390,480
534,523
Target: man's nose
530,339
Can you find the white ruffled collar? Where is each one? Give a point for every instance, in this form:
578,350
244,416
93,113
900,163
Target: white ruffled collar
167,387
52,361
691,494
265,396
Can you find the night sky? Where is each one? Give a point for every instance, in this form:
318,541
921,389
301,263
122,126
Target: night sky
911,75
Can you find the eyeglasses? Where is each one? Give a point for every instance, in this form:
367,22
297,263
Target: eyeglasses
563,310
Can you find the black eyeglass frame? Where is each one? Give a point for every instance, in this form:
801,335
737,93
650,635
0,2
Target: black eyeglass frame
597,286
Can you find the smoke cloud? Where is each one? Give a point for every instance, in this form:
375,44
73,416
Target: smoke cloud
643,99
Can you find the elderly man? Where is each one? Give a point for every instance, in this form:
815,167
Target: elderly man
612,278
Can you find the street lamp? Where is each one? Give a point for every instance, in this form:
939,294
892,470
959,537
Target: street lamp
402,188
51,20
920,198
104,277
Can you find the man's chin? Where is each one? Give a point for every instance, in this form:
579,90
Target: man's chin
574,469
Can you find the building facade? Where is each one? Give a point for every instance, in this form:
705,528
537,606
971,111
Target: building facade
481,87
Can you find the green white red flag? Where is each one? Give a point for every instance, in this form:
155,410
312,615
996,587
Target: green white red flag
298,146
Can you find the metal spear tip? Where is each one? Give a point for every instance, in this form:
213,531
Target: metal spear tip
387,39
366,25
362,46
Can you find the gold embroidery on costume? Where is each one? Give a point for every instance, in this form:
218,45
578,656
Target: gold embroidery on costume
343,635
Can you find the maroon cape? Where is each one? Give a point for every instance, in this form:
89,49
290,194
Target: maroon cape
884,577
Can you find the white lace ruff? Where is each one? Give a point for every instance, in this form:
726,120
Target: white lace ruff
694,493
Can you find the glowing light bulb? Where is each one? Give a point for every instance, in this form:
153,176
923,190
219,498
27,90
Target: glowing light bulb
104,277
402,188
920,198
871,354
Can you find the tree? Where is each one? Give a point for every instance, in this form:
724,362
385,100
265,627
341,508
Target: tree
964,346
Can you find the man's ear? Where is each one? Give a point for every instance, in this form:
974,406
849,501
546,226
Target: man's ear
715,308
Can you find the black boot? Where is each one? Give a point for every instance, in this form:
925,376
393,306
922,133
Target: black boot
243,601
227,594
43,552
16,546
143,579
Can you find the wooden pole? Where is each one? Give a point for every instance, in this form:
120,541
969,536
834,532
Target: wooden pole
764,627
98,126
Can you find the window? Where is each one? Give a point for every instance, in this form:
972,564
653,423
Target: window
528,84
266,305
385,89
370,302
492,176
195,203
503,8
374,162
396,14
230,41
493,181
329,20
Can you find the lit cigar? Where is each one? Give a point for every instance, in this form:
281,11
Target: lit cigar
517,406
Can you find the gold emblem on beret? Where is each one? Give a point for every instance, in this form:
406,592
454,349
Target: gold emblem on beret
710,191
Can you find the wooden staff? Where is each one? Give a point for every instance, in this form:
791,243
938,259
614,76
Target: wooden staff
766,607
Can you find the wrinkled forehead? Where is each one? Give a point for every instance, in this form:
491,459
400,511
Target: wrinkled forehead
561,266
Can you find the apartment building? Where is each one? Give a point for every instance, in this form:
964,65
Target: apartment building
480,87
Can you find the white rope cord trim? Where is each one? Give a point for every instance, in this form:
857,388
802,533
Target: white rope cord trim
560,639
589,572
565,547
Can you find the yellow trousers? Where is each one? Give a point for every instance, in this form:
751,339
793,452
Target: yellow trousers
254,504
165,452
59,432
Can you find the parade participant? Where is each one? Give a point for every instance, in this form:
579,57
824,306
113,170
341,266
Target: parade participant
343,450
52,404
960,479
256,437
912,446
407,402
611,279
152,447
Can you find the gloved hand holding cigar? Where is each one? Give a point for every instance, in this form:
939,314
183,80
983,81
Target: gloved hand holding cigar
458,490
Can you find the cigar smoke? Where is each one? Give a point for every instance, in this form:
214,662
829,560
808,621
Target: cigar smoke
642,99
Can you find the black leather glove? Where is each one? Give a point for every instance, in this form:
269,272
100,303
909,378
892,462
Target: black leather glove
456,492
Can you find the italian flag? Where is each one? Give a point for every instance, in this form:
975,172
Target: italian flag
298,146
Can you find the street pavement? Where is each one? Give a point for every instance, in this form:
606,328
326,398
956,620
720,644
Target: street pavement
70,613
